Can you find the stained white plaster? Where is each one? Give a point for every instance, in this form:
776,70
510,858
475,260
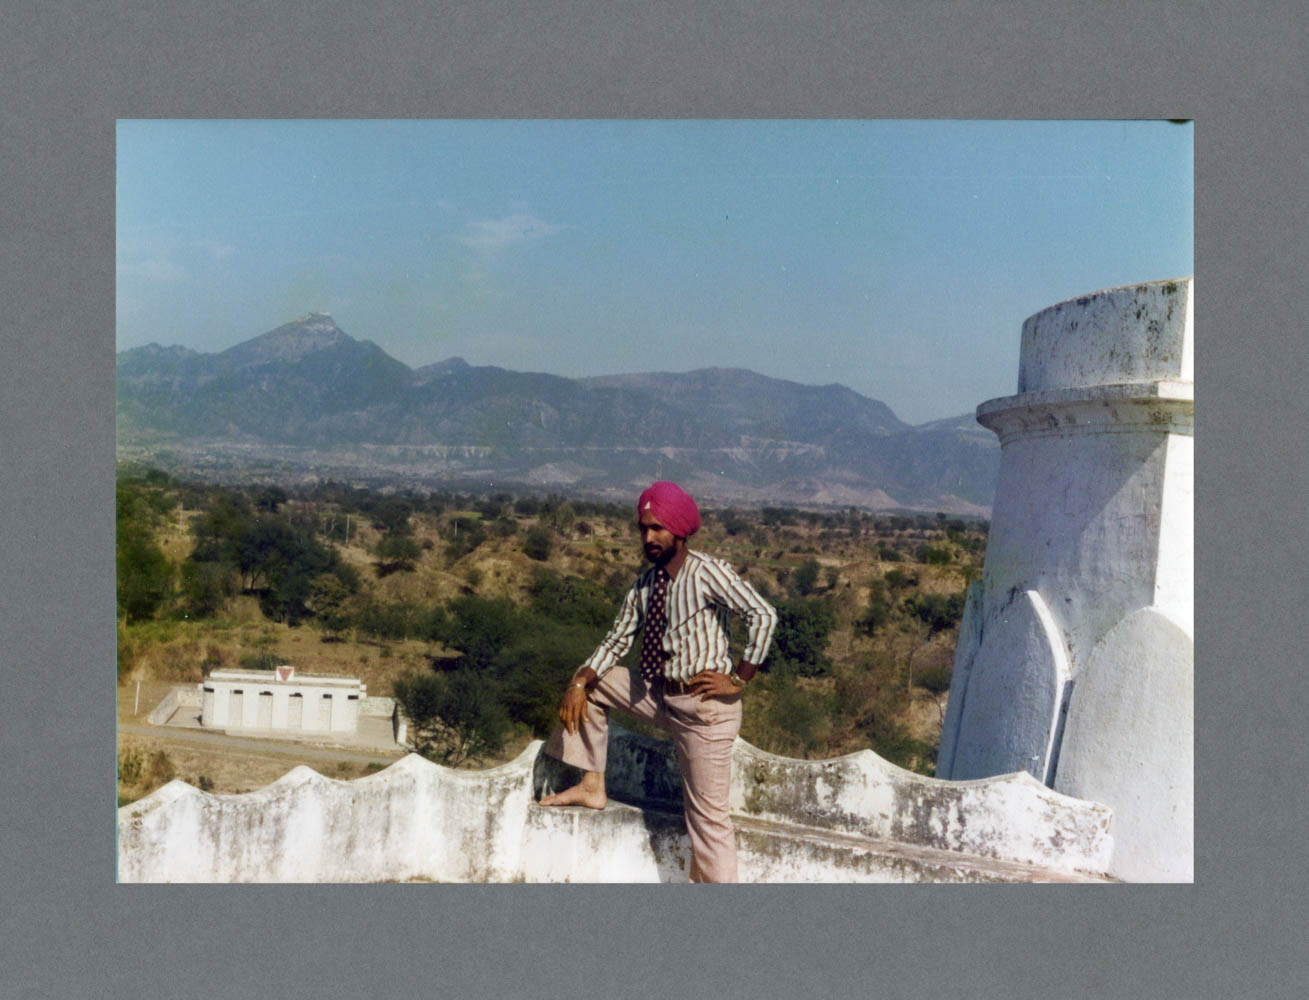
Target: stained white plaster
966,646
1130,739
1014,693
856,818
1136,333
1092,515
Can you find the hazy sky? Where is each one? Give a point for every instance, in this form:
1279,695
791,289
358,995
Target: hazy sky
899,258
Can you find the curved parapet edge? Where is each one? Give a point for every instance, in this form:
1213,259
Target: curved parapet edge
417,820
413,820
1010,817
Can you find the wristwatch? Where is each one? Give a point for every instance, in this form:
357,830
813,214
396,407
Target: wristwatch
736,679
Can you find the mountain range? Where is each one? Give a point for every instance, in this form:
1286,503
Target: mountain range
313,402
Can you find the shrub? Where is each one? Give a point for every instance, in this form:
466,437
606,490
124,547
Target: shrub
935,677
899,580
467,534
127,651
504,527
538,543
130,765
264,660
805,577
159,770
878,612
934,555
802,716
395,553
937,611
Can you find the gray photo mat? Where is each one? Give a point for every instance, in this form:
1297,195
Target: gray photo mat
69,930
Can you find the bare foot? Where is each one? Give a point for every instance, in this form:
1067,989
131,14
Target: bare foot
589,792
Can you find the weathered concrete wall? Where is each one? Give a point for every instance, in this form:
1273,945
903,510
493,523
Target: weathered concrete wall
1092,522
857,818
178,697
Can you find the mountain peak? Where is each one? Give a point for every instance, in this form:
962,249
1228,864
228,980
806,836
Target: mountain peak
289,342
450,366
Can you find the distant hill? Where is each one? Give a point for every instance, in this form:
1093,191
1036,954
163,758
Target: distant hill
310,400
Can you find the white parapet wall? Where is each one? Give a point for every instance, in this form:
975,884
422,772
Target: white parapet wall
1075,655
853,819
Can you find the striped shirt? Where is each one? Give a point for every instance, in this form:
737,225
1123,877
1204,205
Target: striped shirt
699,601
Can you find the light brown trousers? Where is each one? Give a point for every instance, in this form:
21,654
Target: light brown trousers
703,732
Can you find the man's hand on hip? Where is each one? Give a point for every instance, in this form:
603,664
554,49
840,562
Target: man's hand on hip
712,684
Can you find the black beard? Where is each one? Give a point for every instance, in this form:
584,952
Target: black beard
661,559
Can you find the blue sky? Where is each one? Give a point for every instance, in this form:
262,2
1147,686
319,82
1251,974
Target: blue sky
899,258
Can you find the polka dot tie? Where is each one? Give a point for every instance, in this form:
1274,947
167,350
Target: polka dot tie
656,620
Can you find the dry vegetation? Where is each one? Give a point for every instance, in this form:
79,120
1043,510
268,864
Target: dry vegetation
868,678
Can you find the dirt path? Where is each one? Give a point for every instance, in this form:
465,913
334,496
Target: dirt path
257,746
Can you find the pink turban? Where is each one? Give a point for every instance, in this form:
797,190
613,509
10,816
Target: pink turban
673,507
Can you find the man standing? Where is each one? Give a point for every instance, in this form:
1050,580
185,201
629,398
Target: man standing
685,683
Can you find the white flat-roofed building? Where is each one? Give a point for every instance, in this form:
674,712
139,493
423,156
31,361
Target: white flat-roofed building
281,700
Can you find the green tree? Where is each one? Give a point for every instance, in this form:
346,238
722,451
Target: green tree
480,627
937,611
537,543
805,577
800,643
206,587
533,670
395,553
269,498
388,619
569,599
274,558
144,574
734,523
878,613
504,527
456,716
326,601
466,534
145,577
391,515
562,517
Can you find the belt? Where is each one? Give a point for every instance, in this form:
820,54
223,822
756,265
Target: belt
676,687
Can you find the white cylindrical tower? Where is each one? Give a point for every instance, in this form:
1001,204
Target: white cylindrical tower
1075,653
